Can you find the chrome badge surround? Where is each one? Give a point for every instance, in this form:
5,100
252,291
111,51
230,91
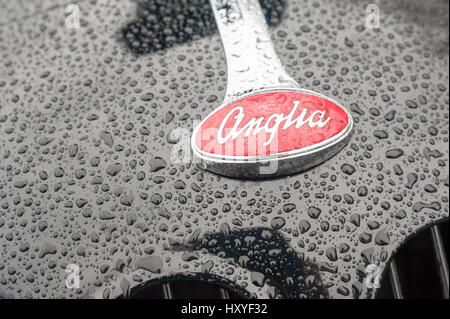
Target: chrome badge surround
287,162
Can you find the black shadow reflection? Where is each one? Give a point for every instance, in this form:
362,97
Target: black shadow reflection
267,254
161,24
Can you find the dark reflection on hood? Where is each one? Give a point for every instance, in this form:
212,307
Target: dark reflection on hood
160,24
267,254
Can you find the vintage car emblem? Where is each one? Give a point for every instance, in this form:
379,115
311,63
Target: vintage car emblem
267,126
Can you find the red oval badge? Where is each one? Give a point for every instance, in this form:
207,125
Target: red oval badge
270,126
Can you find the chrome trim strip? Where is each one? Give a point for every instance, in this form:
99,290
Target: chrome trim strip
441,258
252,62
167,291
224,294
395,280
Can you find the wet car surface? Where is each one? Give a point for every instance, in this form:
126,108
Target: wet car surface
92,120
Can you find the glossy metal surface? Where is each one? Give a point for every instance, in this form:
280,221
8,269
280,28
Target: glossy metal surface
86,177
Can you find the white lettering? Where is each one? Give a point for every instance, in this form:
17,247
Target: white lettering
271,126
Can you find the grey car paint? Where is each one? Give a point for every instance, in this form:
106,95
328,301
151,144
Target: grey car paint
86,132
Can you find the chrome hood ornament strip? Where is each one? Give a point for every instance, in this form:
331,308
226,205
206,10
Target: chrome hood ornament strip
237,139
252,62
